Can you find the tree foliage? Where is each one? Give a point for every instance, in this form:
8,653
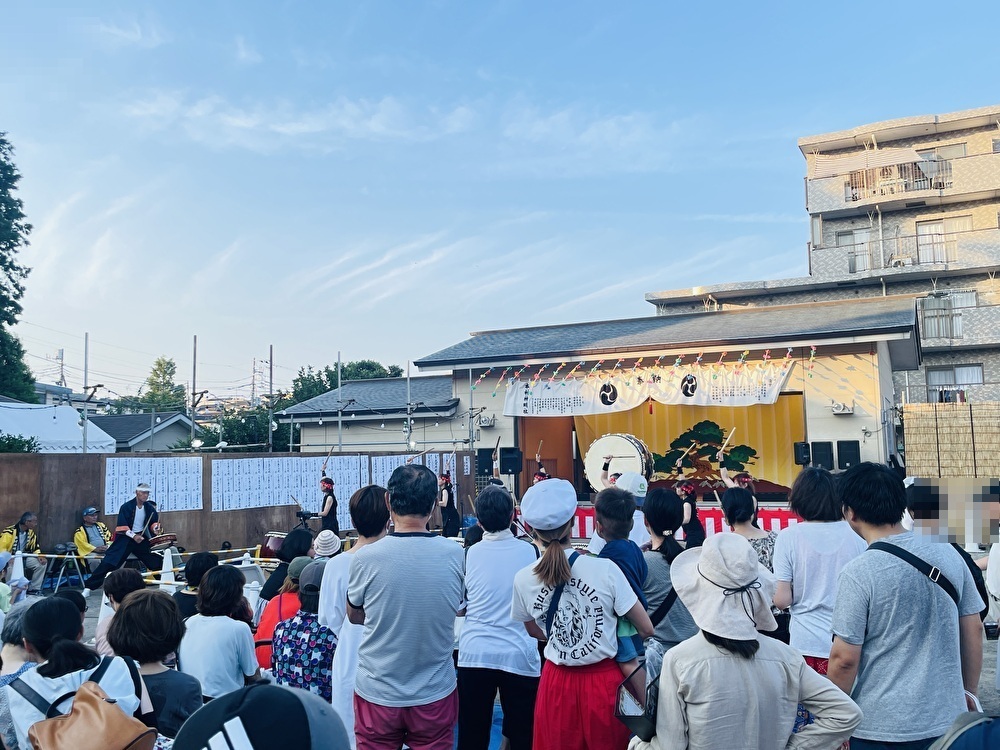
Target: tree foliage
17,444
162,394
310,383
16,380
698,447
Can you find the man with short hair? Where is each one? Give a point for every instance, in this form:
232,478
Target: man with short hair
407,590
138,522
21,537
907,643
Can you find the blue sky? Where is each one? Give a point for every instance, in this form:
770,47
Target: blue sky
383,178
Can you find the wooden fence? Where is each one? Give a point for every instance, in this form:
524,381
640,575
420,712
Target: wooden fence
952,440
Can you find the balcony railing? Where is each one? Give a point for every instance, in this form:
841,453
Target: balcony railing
962,249
897,179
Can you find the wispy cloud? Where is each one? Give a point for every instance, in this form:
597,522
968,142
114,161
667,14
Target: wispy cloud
143,35
245,53
767,218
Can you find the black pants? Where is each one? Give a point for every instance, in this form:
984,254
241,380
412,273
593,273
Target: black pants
477,689
116,556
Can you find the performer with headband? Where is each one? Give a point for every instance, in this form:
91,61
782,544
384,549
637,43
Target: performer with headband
138,521
608,480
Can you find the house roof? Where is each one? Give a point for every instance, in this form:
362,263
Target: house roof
844,321
380,396
131,428
57,428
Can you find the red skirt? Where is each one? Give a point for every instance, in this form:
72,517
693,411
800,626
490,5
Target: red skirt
575,708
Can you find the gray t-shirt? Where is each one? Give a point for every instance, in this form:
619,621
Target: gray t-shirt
678,625
411,587
909,683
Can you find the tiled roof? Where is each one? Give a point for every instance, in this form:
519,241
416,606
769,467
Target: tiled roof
126,427
381,395
754,326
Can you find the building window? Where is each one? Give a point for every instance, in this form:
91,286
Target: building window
937,240
996,145
941,313
950,384
857,244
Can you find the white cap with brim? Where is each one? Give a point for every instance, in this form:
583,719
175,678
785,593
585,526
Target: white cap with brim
549,505
634,483
725,588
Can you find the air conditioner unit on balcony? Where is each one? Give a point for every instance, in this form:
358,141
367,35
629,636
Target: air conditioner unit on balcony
899,262
840,407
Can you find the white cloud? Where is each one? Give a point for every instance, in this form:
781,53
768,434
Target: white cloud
135,34
245,53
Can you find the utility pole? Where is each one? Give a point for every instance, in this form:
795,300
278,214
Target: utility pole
340,410
194,384
86,363
270,404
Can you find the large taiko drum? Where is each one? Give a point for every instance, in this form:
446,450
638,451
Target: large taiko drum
267,558
628,453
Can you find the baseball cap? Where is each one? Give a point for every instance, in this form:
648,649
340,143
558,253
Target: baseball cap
634,483
312,575
296,566
90,510
549,504
263,717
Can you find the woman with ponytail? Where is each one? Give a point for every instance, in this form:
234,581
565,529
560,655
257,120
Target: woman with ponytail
571,601
52,632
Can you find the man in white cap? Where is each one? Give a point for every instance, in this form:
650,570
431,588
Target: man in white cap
137,521
635,483
727,686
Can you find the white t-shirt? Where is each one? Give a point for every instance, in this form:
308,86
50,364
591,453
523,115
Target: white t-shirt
490,638
584,625
219,652
638,534
333,614
116,682
140,519
810,555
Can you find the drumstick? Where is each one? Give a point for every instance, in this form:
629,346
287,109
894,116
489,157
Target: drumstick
471,503
539,451
411,459
496,451
689,449
731,433
327,458
717,498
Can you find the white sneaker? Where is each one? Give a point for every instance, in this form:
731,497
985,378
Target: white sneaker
85,592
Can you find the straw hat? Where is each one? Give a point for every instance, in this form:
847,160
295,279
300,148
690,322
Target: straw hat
726,590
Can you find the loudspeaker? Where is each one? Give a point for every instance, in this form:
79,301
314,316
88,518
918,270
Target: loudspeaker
484,462
801,453
848,453
511,461
822,455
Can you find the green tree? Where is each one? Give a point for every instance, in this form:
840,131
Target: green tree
17,444
15,377
310,383
162,394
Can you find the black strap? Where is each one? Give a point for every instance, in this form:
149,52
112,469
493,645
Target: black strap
51,709
133,670
657,617
924,567
556,596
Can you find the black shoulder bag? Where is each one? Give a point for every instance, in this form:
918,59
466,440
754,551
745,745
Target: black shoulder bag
923,566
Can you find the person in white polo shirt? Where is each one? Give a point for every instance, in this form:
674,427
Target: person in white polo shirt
637,485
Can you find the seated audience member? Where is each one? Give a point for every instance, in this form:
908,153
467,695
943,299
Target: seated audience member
728,687
298,543
284,605
495,652
92,538
197,565
326,545
371,519
21,537
216,649
264,717
302,656
15,662
147,627
78,601
117,585
52,633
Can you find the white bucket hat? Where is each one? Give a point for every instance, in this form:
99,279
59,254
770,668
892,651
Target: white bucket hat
549,505
726,590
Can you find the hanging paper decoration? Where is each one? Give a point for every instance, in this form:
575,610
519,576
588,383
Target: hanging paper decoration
570,373
677,363
812,358
480,378
697,359
742,360
715,373
595,368
499,381
617,364
534,380
556,371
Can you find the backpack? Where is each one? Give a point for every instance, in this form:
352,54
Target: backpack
93,723
970,731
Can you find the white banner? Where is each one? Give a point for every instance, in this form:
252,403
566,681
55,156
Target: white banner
708,385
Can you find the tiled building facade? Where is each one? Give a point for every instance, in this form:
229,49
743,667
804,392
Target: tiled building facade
903,207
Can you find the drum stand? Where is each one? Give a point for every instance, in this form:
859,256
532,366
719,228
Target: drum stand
62,562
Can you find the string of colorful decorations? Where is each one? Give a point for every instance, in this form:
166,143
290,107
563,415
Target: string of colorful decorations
511,375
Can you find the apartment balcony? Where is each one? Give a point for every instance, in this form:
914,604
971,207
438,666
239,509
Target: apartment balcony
949,394
937,252
894,186
964,327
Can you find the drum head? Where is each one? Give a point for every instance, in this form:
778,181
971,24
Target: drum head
630,454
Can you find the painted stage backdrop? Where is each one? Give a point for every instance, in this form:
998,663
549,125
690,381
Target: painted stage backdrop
761,443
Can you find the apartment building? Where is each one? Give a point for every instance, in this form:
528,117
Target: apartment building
902,207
